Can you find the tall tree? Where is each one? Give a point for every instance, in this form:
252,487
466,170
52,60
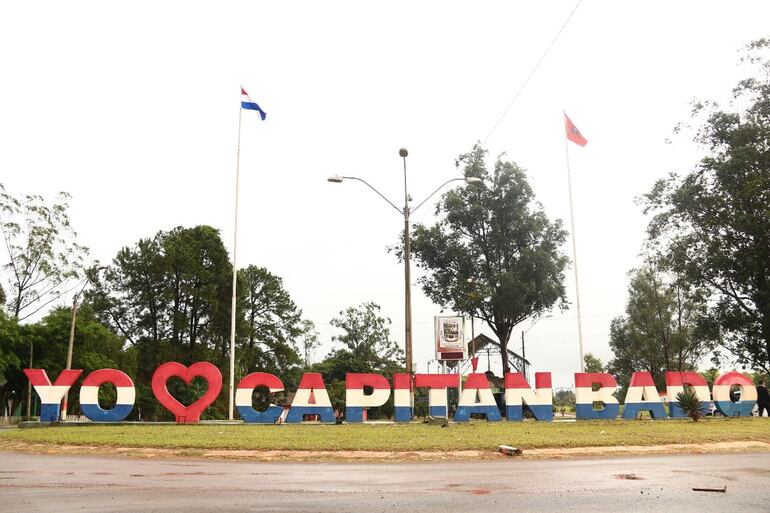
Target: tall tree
173,287
96,347
493,254
169,296
364,344
273,322
593,363
12,346
308,340
713,224
662,329
43,255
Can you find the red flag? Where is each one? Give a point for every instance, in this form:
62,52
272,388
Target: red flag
573,134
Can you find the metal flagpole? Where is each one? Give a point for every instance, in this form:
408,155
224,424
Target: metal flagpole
235,270
574,257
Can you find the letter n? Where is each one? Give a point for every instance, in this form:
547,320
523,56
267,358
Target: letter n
518,393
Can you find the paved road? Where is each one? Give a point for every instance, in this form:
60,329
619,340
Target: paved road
90,483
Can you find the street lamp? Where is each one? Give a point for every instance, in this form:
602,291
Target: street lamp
524,332
405,212
72,332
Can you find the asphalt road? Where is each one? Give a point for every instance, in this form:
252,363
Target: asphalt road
30,482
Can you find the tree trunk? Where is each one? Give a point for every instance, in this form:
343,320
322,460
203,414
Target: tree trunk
504,338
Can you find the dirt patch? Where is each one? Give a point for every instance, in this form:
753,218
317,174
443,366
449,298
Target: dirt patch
388,456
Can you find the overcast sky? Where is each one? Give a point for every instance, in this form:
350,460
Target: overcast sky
132,107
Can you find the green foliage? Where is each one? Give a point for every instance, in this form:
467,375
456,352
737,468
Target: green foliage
11,347
175,286
273,323
710,376
42,253
661,329
712,225
96,347
308,340
364,346
564,398
593,363
170,297
493,253
690,404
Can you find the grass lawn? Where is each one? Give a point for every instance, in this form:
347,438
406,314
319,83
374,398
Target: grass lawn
400,437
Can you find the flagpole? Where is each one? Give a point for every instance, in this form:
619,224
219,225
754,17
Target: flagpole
235,270
574,257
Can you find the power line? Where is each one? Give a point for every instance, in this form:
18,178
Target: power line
532,73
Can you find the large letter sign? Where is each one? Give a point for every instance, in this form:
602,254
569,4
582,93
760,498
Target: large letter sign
403,399
721,392
476,386
539,401
367,390
89,395
182,413
643,396
243,401
51,395
585,396
675,383
438,403
311,399
355,399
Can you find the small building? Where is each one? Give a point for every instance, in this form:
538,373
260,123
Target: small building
485,346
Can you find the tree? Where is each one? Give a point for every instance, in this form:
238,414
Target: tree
564,398
11,347
170,297
309,340
42,253
713,224
174,287
593,363
273,322
493,254
96,347
661,329
364,346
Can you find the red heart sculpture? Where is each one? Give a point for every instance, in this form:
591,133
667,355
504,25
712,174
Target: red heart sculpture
192,413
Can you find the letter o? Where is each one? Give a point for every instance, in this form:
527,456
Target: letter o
721,395
89,395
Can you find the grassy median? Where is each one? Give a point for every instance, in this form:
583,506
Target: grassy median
399,437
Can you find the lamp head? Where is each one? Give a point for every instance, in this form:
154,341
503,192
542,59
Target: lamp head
473,179
403,153
335,179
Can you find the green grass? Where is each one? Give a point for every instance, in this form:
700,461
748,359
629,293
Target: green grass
399,437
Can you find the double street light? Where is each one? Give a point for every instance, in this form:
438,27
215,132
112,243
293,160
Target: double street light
405,212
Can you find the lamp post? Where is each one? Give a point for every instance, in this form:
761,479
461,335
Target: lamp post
524,332
405,212
72,335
